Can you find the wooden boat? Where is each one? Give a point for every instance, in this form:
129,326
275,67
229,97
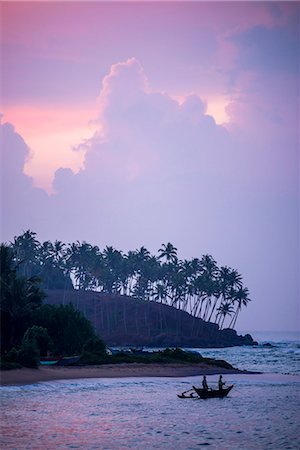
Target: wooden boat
49,361
68,360
213,393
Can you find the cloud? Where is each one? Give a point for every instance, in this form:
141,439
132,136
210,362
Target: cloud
269,50
157,170
143,129
149,153
22,206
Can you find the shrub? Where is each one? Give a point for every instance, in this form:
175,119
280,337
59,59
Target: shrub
11,356
8,365
96,346
94,352
68,328
40,337
28,355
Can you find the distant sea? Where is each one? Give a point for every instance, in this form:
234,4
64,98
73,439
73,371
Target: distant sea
276,352
260,413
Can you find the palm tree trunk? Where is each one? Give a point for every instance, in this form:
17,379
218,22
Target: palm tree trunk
124,317
213,308
236,316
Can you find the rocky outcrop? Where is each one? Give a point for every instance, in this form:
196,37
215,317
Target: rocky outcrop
125,321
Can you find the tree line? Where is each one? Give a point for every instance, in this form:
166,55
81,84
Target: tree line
197,286
31,329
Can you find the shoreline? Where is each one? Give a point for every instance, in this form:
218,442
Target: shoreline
124,370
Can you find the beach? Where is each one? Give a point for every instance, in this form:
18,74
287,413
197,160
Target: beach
29,376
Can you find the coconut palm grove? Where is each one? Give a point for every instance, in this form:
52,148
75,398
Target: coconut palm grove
197,286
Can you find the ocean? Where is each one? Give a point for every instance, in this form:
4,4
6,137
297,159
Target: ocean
275,353
261,412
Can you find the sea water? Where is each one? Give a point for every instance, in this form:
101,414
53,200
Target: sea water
261,412
269,356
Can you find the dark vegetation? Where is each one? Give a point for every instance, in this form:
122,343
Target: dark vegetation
140,300
126,321
30,329
197,286
166,356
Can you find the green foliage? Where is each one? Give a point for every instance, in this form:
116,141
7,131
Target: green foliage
89,358
94,352
198,286
28,355
95,345
181,355
46,260
9,360
67,327
8,365
212,293
40,337
12,355
20,296
167,356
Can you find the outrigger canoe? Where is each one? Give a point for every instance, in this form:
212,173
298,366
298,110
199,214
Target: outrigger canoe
212,393
203,393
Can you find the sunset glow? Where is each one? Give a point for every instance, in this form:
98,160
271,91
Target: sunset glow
216,107
52,134
151,122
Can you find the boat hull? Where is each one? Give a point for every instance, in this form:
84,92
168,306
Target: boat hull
49,361
68,360
213,393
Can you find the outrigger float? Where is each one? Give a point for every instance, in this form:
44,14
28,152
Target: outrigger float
205,393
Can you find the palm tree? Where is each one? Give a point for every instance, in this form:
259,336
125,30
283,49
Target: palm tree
160,292
143,254
209,265
224,310
57,251
132,263
202,290
143,273
19,297
241,297
223,286
169,252
177,285
25,249
113,261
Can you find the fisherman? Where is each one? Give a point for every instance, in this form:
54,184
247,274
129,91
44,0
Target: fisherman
204,383
221,383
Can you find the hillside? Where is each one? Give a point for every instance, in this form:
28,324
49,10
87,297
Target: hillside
124,321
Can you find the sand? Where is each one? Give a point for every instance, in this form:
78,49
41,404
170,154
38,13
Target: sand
30,376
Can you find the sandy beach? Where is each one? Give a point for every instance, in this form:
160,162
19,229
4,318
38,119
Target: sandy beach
29,376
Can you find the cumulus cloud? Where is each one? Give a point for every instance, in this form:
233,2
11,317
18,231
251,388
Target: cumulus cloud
153,162
149,145
145,129
158,170
21,205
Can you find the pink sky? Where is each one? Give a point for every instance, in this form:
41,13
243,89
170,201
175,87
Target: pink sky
144,123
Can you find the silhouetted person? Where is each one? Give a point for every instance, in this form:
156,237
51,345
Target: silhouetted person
221,383
204,383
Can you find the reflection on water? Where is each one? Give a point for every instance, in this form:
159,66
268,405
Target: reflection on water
146,414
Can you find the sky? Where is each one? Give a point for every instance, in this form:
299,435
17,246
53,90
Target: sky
142,123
